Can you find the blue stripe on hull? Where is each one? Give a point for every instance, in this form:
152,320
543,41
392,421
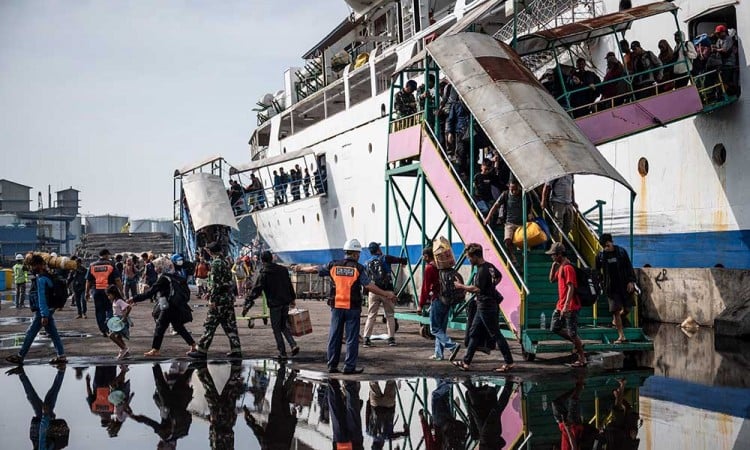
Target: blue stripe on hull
705,249
730,248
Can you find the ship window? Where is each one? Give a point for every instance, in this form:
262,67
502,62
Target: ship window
369,147
372,207
359,85
285,126
317,216
335,213
335,158
352,211
383,71
303,219
290,221
719,154
643,167
382,110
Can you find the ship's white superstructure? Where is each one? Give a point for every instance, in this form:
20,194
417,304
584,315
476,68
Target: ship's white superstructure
691,208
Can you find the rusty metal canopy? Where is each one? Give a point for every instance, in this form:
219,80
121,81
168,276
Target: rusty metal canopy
588,29
531,131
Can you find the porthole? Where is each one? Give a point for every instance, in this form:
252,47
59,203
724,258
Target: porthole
335,213
335,158
719,154
290,221
352,211
317,217
369,147
303,219
643,167
372,207
382,109
284,150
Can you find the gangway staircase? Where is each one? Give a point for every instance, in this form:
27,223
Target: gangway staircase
539,143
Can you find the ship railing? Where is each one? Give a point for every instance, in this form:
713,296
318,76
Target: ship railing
403,123
267,198
705,83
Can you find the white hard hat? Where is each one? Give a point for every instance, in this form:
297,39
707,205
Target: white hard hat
352,245
19,257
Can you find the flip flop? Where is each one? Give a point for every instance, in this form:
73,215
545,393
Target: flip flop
621,341
578,364
505,368
461,365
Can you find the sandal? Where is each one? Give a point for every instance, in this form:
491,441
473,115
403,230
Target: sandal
579,364
505,368
152,352
461,365
621,341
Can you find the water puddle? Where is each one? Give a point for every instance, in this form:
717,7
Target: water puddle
256,403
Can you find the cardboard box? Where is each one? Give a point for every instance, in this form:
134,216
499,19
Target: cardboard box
299,322
302,393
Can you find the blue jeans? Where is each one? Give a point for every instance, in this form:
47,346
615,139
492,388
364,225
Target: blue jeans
36,325
439,325
80,299
102,309
341,318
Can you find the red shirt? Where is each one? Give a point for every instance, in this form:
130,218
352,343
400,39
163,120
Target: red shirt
575,430
566,275
430,283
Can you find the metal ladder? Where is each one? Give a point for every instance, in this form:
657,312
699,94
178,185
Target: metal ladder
409,25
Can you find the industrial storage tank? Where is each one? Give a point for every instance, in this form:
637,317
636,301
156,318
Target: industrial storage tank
105,224
141,225
162,226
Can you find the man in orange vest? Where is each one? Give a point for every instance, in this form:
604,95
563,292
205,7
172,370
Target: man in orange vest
348,277
102,274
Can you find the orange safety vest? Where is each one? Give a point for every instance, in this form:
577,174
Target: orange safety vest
101,271
101,403
347,290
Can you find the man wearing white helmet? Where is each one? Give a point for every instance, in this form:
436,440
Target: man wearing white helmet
20,277
348,277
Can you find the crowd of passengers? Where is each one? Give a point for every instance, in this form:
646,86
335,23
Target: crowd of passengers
287,186
642,73
495,192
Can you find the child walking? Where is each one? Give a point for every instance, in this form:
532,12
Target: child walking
121,310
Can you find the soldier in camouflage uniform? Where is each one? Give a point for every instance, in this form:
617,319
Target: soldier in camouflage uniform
222,409
221,306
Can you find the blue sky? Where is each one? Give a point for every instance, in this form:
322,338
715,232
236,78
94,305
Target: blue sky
111,96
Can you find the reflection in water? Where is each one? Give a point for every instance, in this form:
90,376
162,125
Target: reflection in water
170,406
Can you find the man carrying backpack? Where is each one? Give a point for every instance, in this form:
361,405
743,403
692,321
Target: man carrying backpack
439,310
379,270
41,298
619,281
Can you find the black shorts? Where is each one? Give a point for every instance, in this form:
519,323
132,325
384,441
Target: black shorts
619,301
567,321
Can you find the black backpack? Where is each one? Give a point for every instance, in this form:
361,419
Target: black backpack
589,289
179,297
376,270
449,294
58,295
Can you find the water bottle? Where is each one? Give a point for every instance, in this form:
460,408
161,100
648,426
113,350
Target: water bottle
543,321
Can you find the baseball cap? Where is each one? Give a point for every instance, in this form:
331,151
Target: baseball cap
557,247
372,246
720,29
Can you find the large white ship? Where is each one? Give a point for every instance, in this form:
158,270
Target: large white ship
690,210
